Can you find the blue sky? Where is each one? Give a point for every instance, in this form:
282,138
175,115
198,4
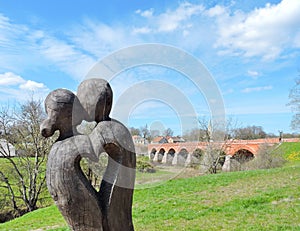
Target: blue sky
251,48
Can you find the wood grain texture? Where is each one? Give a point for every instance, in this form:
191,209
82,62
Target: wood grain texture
84,208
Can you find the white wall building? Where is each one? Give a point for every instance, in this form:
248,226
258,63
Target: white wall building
6,149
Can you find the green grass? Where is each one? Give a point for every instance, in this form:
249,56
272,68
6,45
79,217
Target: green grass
249,200
256,200
10,173
291,151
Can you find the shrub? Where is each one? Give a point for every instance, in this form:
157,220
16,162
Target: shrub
143,165
266,158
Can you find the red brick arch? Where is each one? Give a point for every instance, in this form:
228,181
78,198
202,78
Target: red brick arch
231,146
235,148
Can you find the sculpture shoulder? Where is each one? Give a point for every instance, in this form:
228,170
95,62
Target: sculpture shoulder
112,131
75,145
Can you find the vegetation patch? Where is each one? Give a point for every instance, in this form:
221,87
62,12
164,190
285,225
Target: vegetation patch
266,199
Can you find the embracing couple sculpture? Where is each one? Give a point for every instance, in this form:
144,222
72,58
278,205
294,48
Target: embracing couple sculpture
83,207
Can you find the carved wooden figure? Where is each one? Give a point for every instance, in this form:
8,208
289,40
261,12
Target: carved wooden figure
83,207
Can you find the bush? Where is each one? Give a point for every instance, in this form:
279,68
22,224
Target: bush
143,165
266,158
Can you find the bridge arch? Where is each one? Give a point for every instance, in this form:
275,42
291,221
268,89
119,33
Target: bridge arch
198,153
249,148
171,152
161,154
243,155
152,153
182,156
183,152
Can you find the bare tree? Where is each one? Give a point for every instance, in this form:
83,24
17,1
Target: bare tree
168,132
215,152
154,133
134,131
145,132
25,152
249,133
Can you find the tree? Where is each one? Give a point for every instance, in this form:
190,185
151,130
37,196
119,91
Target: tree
294,103
249,133
197,134
168,132
134,131
145,132
24,177
215,152
154,133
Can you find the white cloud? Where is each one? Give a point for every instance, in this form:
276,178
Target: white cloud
170,20
256,89
96,39
142,30
22,47
66,57
253,74
264,32
146,13
216,11
15,87
32,86
9,78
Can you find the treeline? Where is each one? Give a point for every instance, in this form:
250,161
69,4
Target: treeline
205,131
242,133
148,134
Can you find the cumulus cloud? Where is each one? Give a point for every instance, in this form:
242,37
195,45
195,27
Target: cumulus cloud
32,86
13,86
256,89
9,78
264,32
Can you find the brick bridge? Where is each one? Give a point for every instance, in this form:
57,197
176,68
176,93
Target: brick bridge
172,152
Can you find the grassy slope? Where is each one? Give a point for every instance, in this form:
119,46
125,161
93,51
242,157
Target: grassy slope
251,200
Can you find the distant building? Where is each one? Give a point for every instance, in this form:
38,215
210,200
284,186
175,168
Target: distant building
175,139
6,149
159,140
139,140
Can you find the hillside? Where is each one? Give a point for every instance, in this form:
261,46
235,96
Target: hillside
249,200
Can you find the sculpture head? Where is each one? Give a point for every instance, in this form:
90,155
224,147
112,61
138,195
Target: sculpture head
95,96
62,114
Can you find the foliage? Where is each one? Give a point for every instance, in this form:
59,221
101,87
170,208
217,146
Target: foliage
266,158
134,131
249,133
94,170
143,165
232,131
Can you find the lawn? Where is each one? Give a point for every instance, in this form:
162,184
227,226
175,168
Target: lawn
249,200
